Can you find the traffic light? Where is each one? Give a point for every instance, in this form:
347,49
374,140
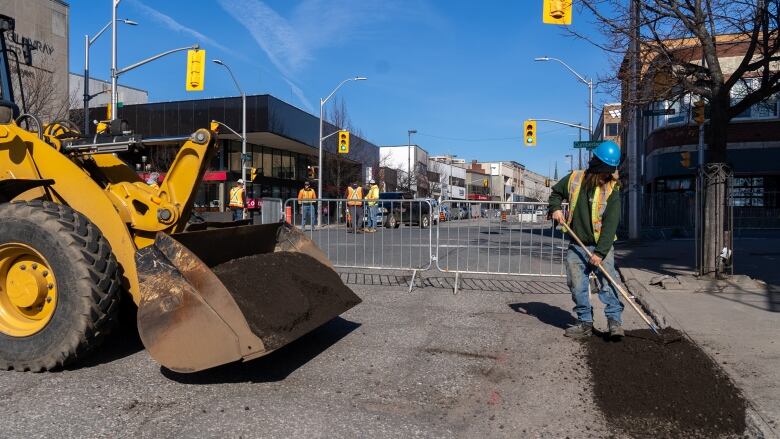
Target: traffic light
685,159
485,182
556,12
252,174
546,182
698,112
343,142
529,132
196,69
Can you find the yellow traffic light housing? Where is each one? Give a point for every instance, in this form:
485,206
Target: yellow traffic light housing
196,69
685,159
546,182
529,132
556,11
343,142
698,112
252,174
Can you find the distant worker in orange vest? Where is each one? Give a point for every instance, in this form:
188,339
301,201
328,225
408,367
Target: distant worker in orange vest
355,206
237,200
306,197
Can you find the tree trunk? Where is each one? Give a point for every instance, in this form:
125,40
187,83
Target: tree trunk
715,177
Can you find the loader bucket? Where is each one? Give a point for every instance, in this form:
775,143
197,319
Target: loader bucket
217,296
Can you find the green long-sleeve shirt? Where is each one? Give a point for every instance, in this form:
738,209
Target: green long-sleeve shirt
581,223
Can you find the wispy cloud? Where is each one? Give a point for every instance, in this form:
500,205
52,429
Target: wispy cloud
175,26
290,43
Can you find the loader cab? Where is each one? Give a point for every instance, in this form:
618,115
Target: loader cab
8,109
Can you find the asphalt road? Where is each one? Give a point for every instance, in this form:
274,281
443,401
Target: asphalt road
473,245
488,362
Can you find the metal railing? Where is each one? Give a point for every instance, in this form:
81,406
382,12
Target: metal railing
514,239
390,234
272,210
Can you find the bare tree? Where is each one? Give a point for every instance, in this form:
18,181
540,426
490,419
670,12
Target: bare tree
42,95
682,45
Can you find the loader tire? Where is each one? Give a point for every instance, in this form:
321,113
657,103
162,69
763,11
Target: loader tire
83,284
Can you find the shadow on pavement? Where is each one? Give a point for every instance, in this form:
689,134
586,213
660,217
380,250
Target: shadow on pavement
551,315
122,342
275,366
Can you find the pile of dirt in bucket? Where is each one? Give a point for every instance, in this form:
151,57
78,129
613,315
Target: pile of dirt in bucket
285,295
649,389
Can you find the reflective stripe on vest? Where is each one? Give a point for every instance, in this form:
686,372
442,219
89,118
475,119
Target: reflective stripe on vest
236,197
597,208
354,194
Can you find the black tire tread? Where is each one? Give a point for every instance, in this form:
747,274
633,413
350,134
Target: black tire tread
100,282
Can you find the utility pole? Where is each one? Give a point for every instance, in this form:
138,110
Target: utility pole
632,138
409,158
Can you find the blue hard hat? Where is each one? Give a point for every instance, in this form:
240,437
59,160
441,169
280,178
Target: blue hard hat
608,152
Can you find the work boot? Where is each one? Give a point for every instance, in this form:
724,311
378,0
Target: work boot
615,329
580,331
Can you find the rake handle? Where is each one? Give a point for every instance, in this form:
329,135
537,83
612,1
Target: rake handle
613,282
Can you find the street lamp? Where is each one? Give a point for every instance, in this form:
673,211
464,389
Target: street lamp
319,167
87,44
116,72
409,158
588,82
243,124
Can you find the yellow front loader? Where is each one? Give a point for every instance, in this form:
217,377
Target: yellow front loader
80,232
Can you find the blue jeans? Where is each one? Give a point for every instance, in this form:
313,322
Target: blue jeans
308,212
238,213
577,271
372,210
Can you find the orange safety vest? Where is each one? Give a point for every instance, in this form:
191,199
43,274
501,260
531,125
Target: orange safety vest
354,194
304,194
237,197
599,205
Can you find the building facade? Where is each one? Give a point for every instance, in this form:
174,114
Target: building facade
281,144
506,179
400,160
667,153
39,47
451,184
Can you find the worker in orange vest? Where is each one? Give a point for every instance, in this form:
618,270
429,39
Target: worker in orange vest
306,197
355,206
237,200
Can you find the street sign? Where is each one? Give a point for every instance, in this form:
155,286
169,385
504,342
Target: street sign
666,112
588,144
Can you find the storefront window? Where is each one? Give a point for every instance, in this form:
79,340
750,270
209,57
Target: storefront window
267,168
234,156
286,166
277,164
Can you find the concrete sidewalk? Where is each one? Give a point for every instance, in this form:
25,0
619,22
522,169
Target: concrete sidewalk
735,321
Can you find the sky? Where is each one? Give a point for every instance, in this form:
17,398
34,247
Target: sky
461,73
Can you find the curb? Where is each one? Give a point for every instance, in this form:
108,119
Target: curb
643,297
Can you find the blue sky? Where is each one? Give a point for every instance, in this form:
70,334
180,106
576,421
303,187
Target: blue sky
459,72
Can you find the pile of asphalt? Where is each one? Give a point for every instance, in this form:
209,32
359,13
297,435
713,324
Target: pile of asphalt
649,389
284,295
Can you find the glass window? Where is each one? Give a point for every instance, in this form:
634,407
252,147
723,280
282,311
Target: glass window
257,157
286,165
612,129
267,169
681,107
234,155
763,110
277,165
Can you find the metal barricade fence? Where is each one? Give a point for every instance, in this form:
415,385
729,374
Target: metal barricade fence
400,236
508,238
272,210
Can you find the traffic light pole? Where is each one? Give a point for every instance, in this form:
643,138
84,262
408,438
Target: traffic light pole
320,139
